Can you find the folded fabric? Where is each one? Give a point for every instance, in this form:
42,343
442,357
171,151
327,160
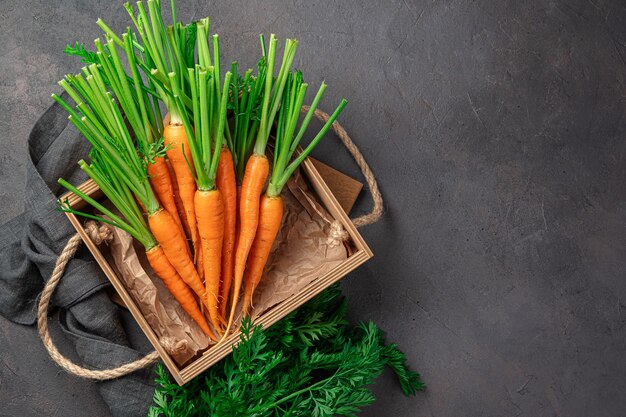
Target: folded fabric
29,247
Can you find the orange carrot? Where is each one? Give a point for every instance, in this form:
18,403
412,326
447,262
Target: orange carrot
270,219
257,167
120,172
179,154
227,300
225,182
210,101
164,229
237,223
161,182
177,287
257,171
210,216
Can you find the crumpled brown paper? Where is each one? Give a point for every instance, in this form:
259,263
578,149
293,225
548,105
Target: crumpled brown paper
309,245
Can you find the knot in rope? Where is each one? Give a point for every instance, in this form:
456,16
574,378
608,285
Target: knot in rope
173,346
98,232
337,234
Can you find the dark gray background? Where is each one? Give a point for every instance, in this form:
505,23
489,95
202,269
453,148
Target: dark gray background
496,130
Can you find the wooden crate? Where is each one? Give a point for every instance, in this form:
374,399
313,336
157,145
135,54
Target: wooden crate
347,189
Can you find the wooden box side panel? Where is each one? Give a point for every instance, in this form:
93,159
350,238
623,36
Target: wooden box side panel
345,189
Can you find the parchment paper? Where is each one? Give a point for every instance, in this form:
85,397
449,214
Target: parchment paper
304,250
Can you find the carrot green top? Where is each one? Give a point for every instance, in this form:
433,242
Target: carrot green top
209,104
162,50
121,197
273,90
246,97
115,165
99,116
287,140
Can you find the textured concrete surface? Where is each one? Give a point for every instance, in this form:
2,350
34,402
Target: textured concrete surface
496,130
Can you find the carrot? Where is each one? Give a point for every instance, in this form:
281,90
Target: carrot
210,214
257,167
209,101
270,219
105,118
247,98
164,229
199,260
257,171
271,205
177,287
237,224
161,182
179,155
225,182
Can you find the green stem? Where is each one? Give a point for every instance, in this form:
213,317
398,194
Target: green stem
204,56
268,113
261,141
116,221
294,109
307,118
277,186
202,125
138,82
216,66
109,32
220,128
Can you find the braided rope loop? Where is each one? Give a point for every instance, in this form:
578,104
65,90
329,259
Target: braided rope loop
42,322
377,210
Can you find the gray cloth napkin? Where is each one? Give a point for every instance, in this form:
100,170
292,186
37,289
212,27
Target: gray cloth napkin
29,247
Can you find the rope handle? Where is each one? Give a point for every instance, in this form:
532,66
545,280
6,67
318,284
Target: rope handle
102,233
42,319
377,211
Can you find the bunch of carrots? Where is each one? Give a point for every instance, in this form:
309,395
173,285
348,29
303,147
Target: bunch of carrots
194,186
